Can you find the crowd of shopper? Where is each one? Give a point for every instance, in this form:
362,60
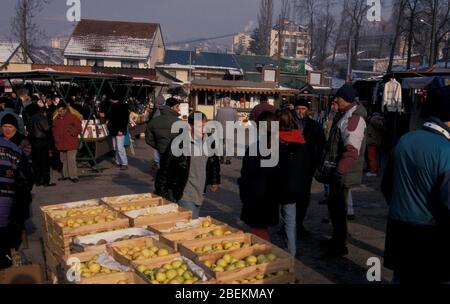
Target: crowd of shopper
35,132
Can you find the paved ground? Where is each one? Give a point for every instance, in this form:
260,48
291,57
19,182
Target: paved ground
367,231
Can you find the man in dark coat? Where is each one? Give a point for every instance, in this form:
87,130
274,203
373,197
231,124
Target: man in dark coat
40,136
184,178
118,119
315,142
158,134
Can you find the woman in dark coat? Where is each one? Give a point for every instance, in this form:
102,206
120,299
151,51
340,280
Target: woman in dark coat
293,174
257,192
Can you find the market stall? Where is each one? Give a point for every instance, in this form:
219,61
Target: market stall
207,95
145,239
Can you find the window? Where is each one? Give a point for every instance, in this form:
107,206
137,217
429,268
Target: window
73,61
130,64
95,62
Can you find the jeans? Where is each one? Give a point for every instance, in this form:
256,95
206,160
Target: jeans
156,158
288,215
190,206
121,152
350,209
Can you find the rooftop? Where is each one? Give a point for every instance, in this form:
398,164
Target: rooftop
178,58
130,40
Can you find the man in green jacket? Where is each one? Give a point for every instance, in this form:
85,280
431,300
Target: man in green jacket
158,134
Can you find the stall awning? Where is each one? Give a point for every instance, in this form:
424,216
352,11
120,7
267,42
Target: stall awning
245,87
426,82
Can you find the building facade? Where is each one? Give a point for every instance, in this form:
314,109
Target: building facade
241,44
116,44
296,41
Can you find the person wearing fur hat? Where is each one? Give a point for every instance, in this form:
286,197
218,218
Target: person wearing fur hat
416,186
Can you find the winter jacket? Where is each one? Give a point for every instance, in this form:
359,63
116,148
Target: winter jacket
392,96
345,148
258,193
66,130
294,168
38,127
14,176
22,142
158,133
223,116
315,141
416,185
375,131
174,173
118,116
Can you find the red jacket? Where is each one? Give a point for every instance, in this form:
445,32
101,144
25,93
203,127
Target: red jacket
65,132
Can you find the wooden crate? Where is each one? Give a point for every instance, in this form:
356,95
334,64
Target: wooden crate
173,239
52,266
59,239
285,262
187,248
287,278
163,227
158,263
45,211
137,204
114,278
143,241
83,257
147,220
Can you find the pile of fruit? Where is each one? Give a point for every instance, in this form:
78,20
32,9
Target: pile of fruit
92,268
142,252
258,278
215,232
74,223
78,211
228,262
218,247
176,272
123,282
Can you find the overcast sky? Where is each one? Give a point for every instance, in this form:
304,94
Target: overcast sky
180,19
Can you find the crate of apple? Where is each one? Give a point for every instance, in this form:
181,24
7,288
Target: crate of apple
175,272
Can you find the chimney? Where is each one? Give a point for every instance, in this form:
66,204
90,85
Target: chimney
198,51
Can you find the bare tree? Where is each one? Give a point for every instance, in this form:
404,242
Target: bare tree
339,31
400,8
23,25
324,32
308,9
283,17
411,11
357,10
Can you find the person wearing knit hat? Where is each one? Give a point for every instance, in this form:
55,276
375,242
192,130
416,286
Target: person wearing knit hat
9,119
342,164
416,186
9,127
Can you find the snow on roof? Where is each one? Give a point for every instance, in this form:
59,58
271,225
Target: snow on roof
47,55
7,49
112,39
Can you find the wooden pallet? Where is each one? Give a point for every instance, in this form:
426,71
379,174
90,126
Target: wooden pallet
173,239
113,250
187,248
285,262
